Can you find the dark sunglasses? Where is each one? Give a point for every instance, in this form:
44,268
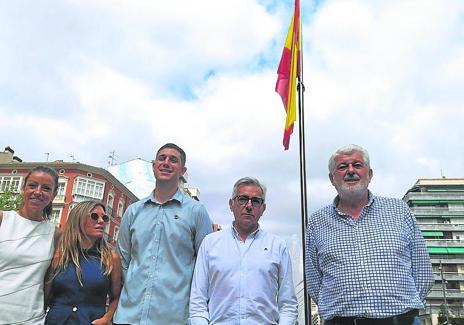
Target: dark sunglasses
95,217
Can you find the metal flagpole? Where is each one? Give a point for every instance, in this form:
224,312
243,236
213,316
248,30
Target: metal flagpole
303,196
303,189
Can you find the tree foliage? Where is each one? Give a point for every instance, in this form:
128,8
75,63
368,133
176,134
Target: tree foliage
452,320
9,200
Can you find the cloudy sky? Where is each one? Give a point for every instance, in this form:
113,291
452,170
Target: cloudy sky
82,78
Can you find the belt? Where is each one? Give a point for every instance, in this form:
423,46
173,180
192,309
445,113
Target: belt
402,319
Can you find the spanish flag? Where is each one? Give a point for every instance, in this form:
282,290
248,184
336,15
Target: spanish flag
288,71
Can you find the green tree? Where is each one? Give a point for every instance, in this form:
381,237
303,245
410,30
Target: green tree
9,200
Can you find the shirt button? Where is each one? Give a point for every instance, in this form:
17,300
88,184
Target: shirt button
74,308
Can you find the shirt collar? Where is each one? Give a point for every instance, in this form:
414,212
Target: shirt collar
236,234
370,197
176,198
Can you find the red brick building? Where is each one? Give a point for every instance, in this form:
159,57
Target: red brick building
77,182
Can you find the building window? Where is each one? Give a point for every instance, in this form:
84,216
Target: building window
55,216
446,220
110,200
11,183
110,203
107,230
120,208
116,232
60,191
89,188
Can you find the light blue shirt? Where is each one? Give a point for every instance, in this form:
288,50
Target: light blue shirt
239,282
376,266
158,244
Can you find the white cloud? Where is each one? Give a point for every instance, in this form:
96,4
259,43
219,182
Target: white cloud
89,77
171,37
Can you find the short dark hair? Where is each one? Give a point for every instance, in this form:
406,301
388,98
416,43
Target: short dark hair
50,171
183,156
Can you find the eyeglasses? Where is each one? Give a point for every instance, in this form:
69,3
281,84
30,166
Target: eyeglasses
95,217
255,201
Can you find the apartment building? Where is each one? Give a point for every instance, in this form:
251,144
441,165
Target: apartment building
438,205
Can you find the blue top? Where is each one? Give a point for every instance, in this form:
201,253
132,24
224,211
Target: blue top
158,244
243,282
376,266
73,304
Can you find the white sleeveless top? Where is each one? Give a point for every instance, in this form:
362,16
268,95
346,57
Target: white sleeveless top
26,250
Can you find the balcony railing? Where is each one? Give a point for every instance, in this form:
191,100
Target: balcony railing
441,226
445,259
436,308
436,210
434,196
444,242
449,276
437,293
59,199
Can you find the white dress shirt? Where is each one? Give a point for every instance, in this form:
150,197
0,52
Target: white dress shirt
238,282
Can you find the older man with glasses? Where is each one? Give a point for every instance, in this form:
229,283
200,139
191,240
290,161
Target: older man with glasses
243,275
366,260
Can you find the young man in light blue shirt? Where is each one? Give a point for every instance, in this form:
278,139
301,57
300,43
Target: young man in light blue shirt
158,242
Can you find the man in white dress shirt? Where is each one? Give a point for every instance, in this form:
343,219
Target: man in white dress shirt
243,274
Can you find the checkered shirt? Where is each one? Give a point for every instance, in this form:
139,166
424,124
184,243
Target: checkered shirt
377,266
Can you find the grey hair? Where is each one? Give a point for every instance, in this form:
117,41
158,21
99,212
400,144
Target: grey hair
348,150
249,181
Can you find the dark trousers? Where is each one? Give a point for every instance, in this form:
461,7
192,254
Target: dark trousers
403,319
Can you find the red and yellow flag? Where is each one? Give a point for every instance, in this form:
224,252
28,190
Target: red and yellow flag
288,71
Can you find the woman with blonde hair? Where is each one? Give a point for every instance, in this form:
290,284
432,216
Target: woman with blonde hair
84,272
26,249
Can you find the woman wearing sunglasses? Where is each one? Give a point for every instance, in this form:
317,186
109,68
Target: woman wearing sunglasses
84,272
